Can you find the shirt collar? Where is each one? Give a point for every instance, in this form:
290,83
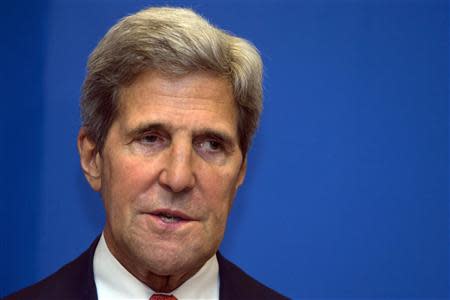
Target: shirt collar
113,281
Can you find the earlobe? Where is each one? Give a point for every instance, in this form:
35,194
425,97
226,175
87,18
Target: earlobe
242,173
90,159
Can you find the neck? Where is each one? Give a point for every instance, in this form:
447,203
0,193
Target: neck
164,284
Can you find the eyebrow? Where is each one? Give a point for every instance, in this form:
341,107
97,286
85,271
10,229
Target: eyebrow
207,132
146,127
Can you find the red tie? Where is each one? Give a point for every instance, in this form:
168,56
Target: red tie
162,297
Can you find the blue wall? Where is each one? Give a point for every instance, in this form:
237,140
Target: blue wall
22,49
347,190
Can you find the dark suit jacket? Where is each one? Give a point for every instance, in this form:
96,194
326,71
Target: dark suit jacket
76,281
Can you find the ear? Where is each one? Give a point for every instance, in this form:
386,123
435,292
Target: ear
90,159
242,172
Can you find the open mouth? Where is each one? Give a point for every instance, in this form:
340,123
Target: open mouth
168,216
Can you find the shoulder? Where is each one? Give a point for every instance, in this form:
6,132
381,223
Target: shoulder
236,284
75,280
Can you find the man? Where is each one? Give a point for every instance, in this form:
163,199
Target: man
169,106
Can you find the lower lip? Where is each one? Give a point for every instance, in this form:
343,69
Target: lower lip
157,220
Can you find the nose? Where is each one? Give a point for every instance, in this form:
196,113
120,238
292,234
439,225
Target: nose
177,174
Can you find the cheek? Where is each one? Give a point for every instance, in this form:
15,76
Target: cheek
126,175
122,183
220,190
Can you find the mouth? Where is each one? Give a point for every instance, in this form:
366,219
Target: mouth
170,216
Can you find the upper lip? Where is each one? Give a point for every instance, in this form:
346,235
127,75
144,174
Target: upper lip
172,213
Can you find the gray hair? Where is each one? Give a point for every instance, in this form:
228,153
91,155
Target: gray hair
175,41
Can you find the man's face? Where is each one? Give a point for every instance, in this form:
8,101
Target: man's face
169,171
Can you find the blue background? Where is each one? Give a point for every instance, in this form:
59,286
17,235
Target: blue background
347,190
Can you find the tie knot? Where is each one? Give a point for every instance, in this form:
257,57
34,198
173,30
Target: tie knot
162,297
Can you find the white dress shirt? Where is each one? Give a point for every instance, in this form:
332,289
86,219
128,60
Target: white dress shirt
113,281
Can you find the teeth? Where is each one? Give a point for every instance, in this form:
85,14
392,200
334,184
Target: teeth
169,219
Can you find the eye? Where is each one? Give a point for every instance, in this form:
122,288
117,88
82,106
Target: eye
212,149
152,140
211,145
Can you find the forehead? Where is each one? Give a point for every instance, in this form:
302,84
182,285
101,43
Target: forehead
191,100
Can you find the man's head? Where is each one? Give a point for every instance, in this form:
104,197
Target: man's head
174,41
169,107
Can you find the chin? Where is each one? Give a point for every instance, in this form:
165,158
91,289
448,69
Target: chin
164,258
170,263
